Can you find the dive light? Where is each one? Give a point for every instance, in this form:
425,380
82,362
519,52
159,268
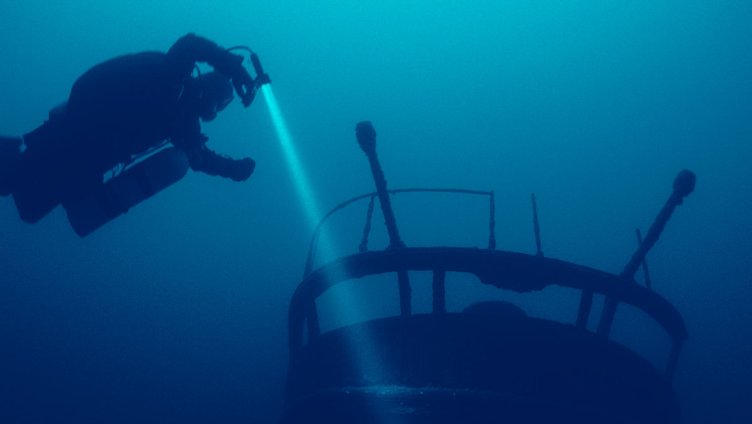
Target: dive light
261,77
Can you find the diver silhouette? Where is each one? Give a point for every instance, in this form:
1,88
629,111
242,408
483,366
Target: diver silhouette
118,113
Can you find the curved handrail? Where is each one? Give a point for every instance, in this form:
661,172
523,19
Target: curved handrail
317,231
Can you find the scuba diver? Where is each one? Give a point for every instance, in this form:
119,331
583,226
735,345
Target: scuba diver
117,113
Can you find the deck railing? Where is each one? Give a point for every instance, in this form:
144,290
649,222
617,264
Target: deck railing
363,246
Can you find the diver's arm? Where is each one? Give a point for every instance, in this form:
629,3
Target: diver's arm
192,48
204,160
187,136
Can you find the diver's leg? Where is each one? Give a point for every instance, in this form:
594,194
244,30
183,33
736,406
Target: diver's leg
40,172
49,171
39,180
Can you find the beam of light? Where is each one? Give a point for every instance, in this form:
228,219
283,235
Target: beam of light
300,180
347,306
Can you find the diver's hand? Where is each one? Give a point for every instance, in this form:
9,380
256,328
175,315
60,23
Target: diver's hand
241,169
232,67
244,85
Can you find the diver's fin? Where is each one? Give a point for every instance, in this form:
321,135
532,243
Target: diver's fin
126,190
10,154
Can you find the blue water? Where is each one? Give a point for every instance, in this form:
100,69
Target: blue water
176,312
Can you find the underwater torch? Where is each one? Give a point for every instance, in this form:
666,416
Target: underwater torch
261,76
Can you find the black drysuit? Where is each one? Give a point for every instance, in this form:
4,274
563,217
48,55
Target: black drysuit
116,110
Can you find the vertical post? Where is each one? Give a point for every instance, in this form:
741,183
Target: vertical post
405,293
439,291
363,246
536,227
684,184
492,222
586,303
311,254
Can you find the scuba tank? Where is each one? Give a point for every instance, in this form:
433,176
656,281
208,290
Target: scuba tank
124,191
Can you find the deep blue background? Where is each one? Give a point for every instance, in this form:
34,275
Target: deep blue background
177,311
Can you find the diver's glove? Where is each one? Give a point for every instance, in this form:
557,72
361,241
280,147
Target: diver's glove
240,169
207,161
232,67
